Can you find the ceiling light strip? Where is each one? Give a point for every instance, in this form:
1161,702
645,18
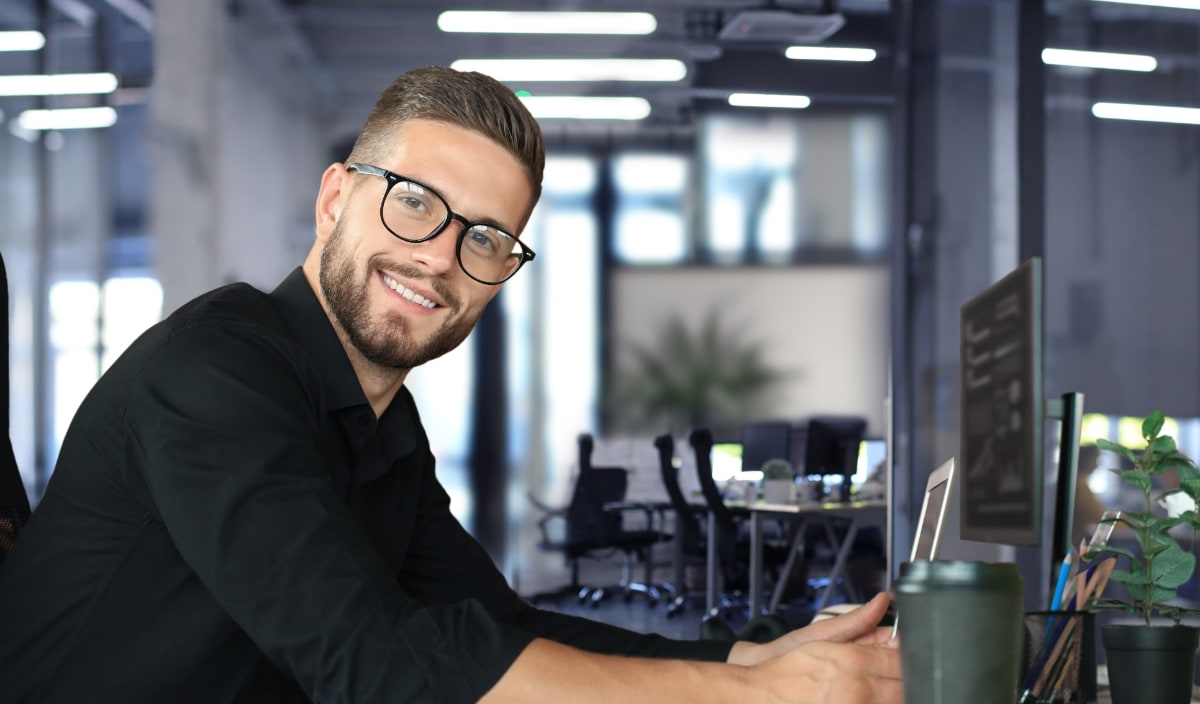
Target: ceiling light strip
829,53
22,41
1147,113
547,22
1176,4
67,118
573,70
587,107
769,100
1099,59
59,84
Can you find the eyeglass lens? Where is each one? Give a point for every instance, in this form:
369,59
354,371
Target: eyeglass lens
415,213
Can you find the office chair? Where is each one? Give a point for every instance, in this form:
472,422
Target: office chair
690,536
591,528
14,503
733,548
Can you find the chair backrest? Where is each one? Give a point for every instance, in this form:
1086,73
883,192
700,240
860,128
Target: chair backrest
686,515
14,503
701,441
585,444
587,521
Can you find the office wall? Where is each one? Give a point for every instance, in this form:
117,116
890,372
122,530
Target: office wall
827,326
237,152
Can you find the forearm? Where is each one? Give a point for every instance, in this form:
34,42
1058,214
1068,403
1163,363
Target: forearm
550,672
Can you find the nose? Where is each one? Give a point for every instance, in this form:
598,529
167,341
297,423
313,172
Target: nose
439,255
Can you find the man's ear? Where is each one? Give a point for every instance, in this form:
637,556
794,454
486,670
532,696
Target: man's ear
331,198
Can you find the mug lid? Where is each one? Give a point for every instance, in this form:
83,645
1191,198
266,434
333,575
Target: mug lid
951,574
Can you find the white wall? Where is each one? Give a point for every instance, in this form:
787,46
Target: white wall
827,326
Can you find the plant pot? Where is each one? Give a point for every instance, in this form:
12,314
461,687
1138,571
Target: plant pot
778,491
1150,664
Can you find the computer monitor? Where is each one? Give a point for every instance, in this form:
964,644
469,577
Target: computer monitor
831,447
872,452
765,440
726,460
1001,448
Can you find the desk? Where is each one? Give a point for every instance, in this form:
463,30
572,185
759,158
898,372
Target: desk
759,510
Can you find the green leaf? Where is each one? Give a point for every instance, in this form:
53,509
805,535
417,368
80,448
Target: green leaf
1152,425
1134,477
1163,444
1171,569
1119,449
1138,578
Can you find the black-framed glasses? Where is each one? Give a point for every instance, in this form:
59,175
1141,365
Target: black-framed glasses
416,213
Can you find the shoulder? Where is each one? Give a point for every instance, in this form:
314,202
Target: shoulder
233,329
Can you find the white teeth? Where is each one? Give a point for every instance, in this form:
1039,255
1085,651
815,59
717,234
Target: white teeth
408,294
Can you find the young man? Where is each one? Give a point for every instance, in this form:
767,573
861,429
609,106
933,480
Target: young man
245,507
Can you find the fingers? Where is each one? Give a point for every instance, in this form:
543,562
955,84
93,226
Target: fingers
878,636
849,626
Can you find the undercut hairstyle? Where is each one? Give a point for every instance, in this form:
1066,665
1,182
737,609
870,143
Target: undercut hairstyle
465,99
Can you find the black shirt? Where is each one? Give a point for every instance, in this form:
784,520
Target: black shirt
228,521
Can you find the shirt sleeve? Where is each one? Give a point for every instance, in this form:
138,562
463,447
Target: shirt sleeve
445,564
222,428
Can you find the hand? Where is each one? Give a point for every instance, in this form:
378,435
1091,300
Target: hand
860,626
818,672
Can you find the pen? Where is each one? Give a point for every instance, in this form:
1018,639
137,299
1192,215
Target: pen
1055,601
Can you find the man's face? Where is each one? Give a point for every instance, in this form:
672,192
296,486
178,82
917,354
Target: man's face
402,304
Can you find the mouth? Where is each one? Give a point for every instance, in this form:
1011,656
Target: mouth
409,294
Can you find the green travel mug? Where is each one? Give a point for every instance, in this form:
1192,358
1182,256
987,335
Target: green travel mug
961,626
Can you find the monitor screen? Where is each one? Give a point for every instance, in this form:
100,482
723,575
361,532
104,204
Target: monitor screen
726,460
765,440
831,447
872,455
1002,410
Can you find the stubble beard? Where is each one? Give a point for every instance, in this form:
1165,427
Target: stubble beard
387,342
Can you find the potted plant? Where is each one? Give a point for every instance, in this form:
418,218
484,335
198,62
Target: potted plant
778,482
715,377
1157,566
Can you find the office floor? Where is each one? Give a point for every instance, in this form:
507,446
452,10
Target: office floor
544,573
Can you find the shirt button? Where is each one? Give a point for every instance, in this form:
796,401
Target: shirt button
363,421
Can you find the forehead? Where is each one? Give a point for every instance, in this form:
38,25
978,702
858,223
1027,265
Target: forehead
478,177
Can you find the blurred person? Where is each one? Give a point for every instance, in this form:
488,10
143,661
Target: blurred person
245,507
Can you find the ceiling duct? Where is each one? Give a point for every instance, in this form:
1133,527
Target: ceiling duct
781,26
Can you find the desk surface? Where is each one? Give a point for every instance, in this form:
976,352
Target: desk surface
813,507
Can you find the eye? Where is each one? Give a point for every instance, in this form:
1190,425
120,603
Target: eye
415,201
484,240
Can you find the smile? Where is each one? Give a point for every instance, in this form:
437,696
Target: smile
408,293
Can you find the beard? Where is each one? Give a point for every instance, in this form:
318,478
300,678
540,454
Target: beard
388,341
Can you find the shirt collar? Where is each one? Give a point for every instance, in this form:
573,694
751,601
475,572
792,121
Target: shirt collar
314,332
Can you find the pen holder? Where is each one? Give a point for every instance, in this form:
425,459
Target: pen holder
1060,658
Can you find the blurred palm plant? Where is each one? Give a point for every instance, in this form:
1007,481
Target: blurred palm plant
714,377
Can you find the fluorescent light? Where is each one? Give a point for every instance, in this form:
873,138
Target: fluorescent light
576,69
547,22
67,118
1099,59
587,108
21,41
769,100
829,53
58,84
1147,113
1177,4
